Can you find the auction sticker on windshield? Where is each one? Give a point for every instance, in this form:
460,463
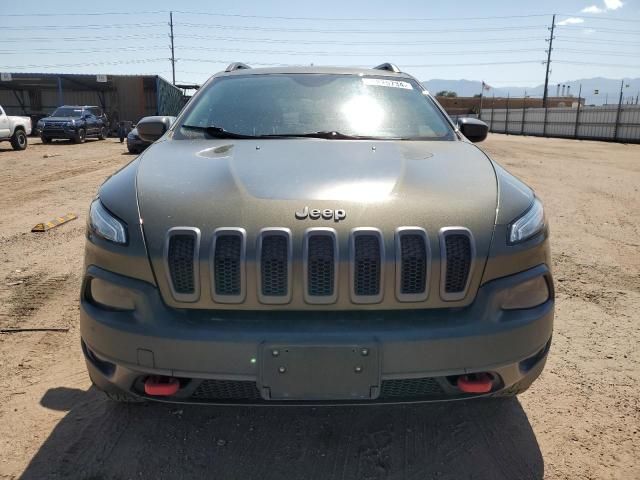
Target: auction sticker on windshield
380,82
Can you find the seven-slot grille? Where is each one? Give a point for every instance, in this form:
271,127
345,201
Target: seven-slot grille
320,261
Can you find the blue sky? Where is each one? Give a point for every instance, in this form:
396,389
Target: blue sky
428,39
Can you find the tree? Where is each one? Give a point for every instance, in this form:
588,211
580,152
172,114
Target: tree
446,93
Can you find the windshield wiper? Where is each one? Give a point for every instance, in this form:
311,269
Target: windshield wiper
329,135
218,132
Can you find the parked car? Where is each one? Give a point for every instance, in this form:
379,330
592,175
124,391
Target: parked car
14,129
134,143
75,123
308,234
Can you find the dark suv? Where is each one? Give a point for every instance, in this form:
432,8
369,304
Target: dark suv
75,123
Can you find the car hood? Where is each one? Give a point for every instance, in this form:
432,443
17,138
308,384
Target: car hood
255,184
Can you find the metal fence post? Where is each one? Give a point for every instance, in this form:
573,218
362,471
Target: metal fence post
506,118
492,105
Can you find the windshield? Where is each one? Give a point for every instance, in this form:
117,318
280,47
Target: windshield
67,112
299,104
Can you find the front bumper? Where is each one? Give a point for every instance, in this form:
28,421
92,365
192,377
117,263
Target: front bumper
221,351
58,131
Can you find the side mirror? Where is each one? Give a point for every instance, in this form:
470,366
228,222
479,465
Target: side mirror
151,129
472,128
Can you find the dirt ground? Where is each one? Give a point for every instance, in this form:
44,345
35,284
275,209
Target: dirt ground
581,419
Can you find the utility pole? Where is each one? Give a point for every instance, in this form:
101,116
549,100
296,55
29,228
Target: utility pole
173,58
546,78
575,130
615,128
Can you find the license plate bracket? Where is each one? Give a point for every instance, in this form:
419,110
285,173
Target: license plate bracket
320,372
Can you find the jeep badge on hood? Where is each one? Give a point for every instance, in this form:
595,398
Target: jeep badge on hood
326,214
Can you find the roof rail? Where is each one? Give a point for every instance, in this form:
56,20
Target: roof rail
237,66
389,67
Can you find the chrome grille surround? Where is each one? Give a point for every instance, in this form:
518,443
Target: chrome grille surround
320,270
360,266
444,233
214,264
405,233
195,270
268,267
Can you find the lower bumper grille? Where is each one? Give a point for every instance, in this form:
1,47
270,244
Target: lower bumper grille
226,390
246,391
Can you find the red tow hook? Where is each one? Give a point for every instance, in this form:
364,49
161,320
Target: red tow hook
475,382
161,386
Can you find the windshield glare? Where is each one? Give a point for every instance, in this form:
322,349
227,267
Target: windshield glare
298,104
67,112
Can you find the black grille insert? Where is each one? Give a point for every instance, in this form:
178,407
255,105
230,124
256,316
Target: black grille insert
367,265
413,264
227,260
321,266
181,263
274,265
226,390
458,252
408,388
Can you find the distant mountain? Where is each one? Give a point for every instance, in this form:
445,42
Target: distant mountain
608,89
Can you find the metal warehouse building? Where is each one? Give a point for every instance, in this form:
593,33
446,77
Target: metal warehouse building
122,97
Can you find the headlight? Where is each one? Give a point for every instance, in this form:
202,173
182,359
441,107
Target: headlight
40,124
105,225
529,224
528,294
70,124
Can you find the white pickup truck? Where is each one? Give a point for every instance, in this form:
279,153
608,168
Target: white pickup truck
14,129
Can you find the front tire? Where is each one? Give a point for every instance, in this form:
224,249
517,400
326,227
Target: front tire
19,140
81,136
45,139
103,133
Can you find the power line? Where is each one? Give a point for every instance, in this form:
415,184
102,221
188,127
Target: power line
595,41
268,17
600,29
364,19
599,52
351,31
84,27
80,14
83,38
517,62
357,42
575,62
92,64
595,17
49,51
